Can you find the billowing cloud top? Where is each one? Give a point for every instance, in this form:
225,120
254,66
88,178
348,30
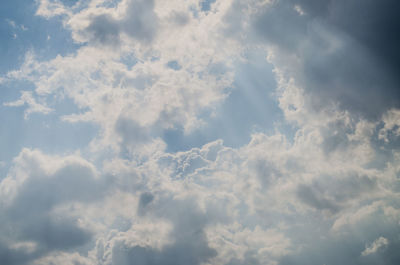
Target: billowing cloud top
190,132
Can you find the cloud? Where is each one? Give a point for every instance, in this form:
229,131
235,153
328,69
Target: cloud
11,23
138,21
104,29
200,205
50,8
186,241
316,187
391,126
342,52
33,107
375,246
309,196
29,195
65,259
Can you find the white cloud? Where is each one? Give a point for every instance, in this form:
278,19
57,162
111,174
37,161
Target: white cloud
106,88
51,8
11,23
235,242
28,99
391,120
375,246
65,259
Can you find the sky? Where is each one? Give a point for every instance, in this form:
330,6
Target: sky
199,132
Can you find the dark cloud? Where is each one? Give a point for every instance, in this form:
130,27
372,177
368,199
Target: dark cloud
179,18
104,29
192,252
53,234
249,258
350,187
348,50
316,199
11,256
346,248
30,217
188,241
266,172
145,199
132,135
375,24
335,137
39,194
333,192
140,22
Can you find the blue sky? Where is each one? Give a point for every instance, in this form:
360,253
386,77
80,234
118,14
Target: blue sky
221,132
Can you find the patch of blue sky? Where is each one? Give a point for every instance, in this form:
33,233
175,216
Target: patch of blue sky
174,65
249,108
107,3
205,5
129,60
46,132
69,3
22,31
194,11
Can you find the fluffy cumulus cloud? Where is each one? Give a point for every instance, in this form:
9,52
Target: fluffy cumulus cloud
314,179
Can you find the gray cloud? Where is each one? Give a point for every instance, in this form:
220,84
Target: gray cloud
332,193
13,256
140,22
188,241
315,199
131,132
40,194
53,234
249,258
145,199
347,49
346,248
29,216
104,29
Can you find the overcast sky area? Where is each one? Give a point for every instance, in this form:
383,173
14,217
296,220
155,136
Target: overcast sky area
199,132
